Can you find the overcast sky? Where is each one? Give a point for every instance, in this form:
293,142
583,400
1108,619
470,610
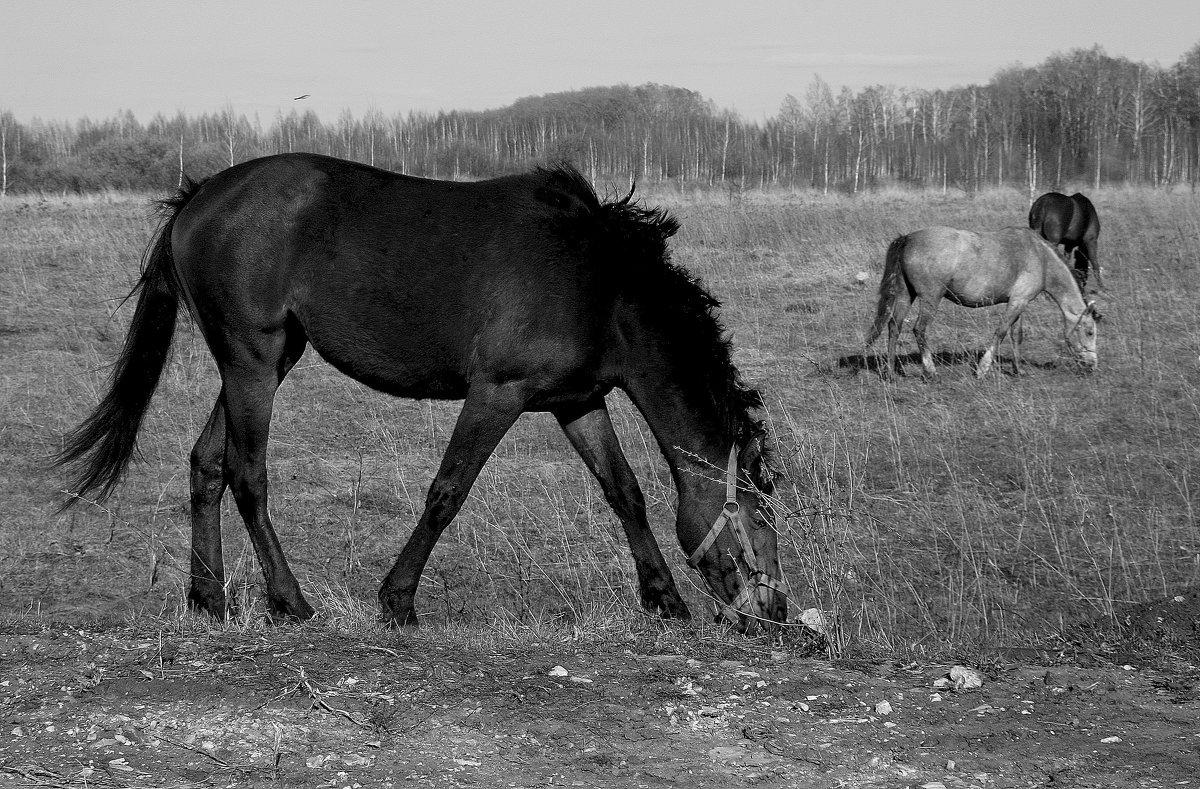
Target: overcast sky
67,60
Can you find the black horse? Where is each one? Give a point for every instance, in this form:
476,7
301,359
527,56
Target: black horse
1073,222
521,293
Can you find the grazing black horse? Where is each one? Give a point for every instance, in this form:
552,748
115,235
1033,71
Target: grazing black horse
521,293
1073,222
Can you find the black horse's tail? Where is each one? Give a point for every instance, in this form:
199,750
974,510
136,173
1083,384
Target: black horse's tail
889,286
101,447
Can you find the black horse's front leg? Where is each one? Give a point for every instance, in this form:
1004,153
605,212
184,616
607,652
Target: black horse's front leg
591,432
488,413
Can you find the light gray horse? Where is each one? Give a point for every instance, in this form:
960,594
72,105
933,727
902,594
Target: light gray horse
1010,266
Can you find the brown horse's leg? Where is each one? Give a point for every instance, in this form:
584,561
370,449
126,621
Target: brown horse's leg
926,311
487,414
591,433
207,588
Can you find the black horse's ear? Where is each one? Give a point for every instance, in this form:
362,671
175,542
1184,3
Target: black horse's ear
1097,315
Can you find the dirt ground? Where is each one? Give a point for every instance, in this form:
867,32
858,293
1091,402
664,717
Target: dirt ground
131,706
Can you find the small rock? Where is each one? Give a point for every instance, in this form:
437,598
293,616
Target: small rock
1111,739
557,671
883,708
815,620
120,764
966,678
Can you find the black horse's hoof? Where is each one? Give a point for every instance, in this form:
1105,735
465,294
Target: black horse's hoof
397,611
210,602
665,604
400,621
297,610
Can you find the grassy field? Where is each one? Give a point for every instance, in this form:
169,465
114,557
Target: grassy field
923,515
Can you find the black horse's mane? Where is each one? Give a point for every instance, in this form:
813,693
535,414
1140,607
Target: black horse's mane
636,253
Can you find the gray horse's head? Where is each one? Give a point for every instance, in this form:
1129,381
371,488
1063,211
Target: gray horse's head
1081,337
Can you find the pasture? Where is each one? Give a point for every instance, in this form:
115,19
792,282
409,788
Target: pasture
932,521
925,514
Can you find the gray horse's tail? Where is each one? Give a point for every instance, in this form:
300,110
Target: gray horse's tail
889,287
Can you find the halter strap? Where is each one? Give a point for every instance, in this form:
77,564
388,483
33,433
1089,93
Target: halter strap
731,516
728,513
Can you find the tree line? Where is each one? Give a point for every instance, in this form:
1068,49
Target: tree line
1083,118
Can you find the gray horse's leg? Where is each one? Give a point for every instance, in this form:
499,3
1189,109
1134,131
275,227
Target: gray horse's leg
1011,316
1016,337
927,309
895,324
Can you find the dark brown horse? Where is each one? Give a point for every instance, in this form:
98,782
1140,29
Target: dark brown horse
1073,223
521,293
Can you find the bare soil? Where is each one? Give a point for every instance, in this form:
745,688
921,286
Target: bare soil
135,706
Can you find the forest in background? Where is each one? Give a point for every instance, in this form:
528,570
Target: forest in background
1082,117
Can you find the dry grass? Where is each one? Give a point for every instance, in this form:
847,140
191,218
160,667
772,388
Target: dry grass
923,515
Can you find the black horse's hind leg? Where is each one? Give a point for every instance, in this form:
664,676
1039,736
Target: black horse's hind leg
591,433
249,394
489,411
1080,261
207,589
248,402
1087,250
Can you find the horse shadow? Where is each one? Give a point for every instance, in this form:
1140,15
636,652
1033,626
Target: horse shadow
877,362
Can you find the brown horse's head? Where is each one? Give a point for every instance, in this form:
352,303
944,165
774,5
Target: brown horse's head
738,554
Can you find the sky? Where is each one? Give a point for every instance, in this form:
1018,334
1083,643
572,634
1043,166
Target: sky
62,60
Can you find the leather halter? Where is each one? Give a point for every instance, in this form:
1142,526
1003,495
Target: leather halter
731,516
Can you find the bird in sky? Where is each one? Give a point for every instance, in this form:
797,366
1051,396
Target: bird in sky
305,96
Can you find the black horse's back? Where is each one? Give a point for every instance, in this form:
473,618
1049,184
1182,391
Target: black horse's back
1074,223
365,263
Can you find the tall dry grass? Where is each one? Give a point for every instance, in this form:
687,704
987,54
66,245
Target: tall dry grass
918,514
